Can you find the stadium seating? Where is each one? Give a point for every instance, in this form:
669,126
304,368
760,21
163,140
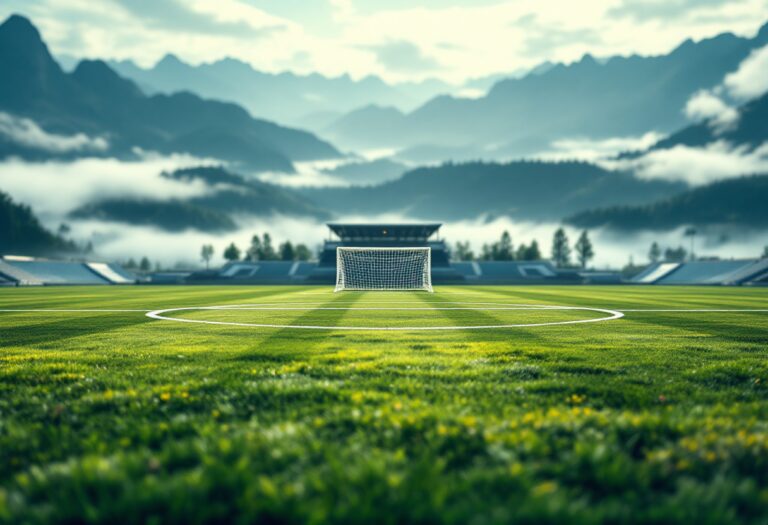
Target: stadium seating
34,271
266,271
510,272
60,272
704,272
654,272
112,273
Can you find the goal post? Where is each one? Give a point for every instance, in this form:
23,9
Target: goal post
383,269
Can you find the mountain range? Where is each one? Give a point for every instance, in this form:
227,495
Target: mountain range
619,96
303,100
524,190
94,101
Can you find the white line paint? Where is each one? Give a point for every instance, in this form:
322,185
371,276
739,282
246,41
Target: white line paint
160,315
67,310
694,310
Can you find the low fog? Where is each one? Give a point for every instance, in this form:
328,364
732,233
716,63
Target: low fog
613,250
53,189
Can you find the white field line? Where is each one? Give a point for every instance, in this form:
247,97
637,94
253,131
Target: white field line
68,310
694,310
160,315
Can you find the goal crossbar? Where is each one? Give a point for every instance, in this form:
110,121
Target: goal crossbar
383,268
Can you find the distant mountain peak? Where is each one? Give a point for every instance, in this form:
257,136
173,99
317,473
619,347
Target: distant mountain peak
762,33
19,24
169,60
96,74
19,32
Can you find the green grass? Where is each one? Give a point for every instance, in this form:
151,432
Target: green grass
112,417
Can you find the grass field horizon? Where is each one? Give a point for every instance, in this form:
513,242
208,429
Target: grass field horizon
659,416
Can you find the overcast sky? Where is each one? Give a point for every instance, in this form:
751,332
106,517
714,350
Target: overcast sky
396,39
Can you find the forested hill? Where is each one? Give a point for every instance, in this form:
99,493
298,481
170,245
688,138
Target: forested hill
526,190
22,233
736,202
228,195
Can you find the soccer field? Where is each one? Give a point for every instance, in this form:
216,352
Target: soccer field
473,404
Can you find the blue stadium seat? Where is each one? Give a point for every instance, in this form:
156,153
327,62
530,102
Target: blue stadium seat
59,272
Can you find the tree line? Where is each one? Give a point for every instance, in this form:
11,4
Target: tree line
504,250
261,249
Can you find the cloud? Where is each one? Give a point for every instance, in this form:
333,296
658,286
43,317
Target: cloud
543,39
483,36
697,166
644,10
705,105
118,241
751,79
53,189
593,150
227,17
26,132
404,57
342,9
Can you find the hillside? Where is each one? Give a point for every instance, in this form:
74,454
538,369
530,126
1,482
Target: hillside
523,190
620,96
95,101
229,195
170,215
737,202
750,129
21,232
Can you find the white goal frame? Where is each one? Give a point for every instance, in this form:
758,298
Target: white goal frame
350,278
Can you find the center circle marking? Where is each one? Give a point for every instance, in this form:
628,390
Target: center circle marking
162,315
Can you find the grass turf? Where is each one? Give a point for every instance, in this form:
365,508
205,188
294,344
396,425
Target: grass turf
113,417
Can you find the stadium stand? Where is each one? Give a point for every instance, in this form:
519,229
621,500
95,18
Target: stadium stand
704,272
511,272
749,273
713,272
277,272
108,272
26,271
381,236
654,272
601,277
16,275
396,236
169,277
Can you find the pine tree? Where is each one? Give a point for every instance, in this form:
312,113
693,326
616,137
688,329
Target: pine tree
287,252
145,265
303,253
584,250
561,252
533,253
504,250
206,253
267,250
463,251
654,253
232,252
254,252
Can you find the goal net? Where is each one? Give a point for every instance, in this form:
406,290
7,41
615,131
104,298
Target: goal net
383,269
